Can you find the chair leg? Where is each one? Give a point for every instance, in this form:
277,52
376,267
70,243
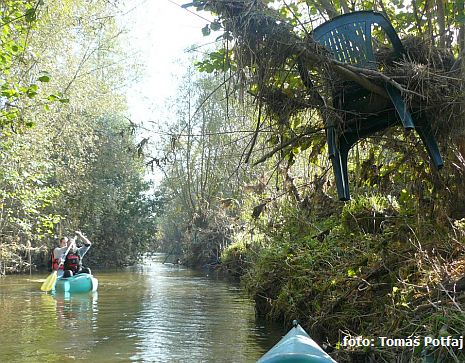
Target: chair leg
343,156
346,141
423,129
427,136
400,106
340,174
338,164
331,140
338,159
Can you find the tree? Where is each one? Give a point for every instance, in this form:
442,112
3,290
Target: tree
371,266
71,49
266,45
203,178
111,201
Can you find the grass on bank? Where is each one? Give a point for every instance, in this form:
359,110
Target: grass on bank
374,269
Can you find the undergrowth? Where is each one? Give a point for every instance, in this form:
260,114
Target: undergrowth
375,269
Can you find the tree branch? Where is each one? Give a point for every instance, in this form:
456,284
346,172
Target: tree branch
329,8
254,138
283,145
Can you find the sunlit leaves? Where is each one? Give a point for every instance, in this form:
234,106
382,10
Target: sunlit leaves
17,19
216,61
31,91
351,272
47,157
30,15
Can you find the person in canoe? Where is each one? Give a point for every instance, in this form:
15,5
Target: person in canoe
56,255
73,260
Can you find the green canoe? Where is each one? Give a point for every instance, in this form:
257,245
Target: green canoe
296,346
79,283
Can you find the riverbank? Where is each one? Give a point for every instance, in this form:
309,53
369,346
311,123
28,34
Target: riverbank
370,269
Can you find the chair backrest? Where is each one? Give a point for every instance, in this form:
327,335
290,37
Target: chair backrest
349,38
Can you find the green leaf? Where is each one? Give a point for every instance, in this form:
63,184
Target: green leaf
32,90
44,78
351,272
185,6
9,93
31,94
30,15
206,30
215,26
460,18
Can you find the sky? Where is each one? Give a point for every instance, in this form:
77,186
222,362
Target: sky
159,33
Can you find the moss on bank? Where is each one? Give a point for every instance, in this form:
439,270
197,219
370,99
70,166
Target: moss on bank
381,267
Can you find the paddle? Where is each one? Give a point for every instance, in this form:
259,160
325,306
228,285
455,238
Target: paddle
51,279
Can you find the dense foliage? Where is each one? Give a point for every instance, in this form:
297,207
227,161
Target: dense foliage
203,178
68,153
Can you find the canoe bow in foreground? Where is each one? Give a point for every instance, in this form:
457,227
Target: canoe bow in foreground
296,346
76,284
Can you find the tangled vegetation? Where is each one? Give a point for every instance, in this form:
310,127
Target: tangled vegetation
390,261
375,269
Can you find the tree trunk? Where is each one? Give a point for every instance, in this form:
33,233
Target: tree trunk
329,8
441,18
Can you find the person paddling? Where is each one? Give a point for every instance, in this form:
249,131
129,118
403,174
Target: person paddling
56,255
73,260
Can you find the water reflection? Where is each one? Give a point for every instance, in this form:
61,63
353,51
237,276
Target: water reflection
151,313
74,318
72,312
185,315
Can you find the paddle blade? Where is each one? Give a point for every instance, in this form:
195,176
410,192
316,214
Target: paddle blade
49,282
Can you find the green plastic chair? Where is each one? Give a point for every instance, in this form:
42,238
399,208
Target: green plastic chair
349,39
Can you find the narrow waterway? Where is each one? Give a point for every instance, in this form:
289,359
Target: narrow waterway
149,313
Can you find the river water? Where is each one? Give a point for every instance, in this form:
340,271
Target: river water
149,313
